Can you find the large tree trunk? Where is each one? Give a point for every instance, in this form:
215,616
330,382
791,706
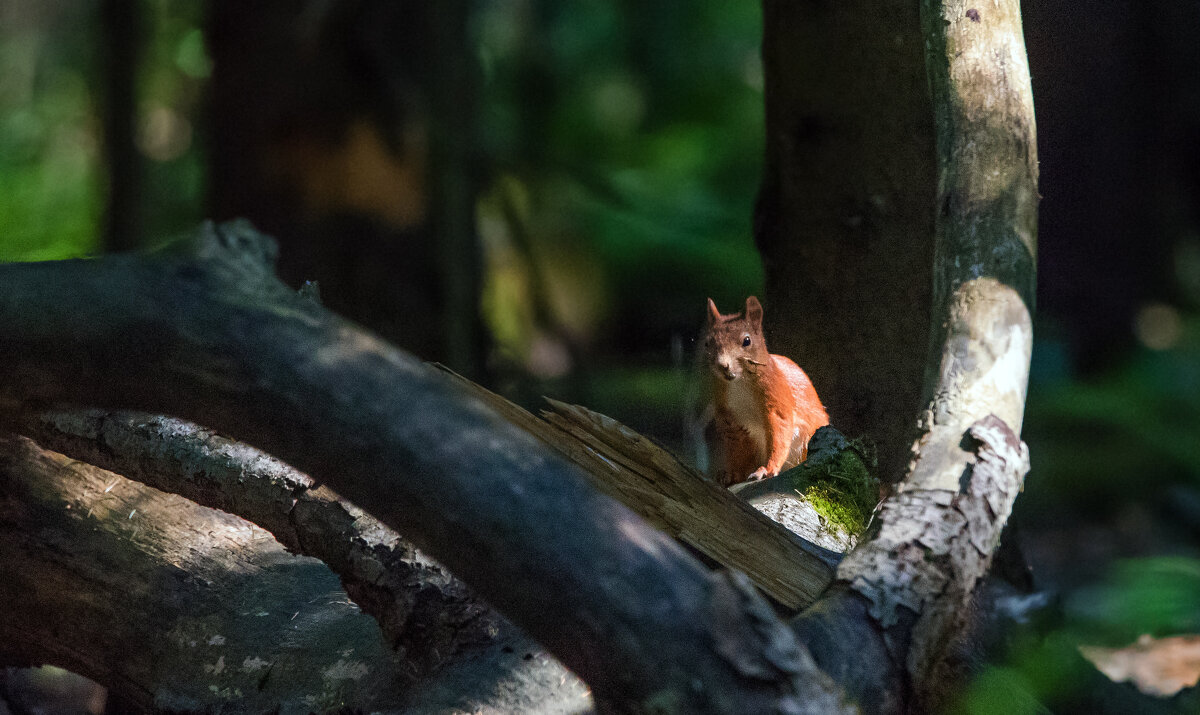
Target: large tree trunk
845,220
356,152
122,22
912,578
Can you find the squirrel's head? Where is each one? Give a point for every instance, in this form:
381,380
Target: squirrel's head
734,344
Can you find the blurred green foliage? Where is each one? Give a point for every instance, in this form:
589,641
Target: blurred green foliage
50,192
1157,596
635,131
170,135
1045,672
632,134
52,184
1136,426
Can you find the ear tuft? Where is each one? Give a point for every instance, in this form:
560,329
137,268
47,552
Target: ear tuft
754,311
714,315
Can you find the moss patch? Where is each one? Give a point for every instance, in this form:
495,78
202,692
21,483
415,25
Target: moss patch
838,479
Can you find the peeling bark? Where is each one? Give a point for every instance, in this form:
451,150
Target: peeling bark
983,369
902,594
933,545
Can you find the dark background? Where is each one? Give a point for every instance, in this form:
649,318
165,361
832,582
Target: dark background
541,194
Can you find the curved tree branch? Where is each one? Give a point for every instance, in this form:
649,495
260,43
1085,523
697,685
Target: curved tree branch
903,593
424,612
178,607
210,335
175,606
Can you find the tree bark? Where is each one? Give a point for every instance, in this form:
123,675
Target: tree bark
986,238
679,501
845,218
426,614
123,36
902,594
210,335
174,606
455,179
132,565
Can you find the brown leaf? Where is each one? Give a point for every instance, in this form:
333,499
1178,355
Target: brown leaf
1157,666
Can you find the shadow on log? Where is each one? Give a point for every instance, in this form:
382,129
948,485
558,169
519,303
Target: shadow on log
176,606
205,331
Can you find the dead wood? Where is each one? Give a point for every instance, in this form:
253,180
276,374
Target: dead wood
208,334
176,606
678,500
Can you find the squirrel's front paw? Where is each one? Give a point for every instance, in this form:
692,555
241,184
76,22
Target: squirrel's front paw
760,473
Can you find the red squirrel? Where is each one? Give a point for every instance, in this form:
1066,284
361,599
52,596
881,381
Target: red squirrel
766,408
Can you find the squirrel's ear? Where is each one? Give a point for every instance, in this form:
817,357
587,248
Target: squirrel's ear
713,314
754,311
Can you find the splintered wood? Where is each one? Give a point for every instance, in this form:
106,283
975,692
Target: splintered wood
674,498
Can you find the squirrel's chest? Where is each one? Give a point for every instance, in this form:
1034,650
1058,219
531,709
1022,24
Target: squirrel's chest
745,406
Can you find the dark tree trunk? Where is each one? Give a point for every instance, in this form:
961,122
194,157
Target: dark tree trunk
845,219
356,154
958,336
455,177
122,25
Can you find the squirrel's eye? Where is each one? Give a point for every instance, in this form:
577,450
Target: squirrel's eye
746,341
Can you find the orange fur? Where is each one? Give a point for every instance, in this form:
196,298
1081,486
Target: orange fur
766,408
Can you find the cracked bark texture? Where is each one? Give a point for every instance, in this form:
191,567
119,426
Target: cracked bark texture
932,546
206,332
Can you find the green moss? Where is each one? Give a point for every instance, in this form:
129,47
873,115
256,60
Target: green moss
835,507
837,479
